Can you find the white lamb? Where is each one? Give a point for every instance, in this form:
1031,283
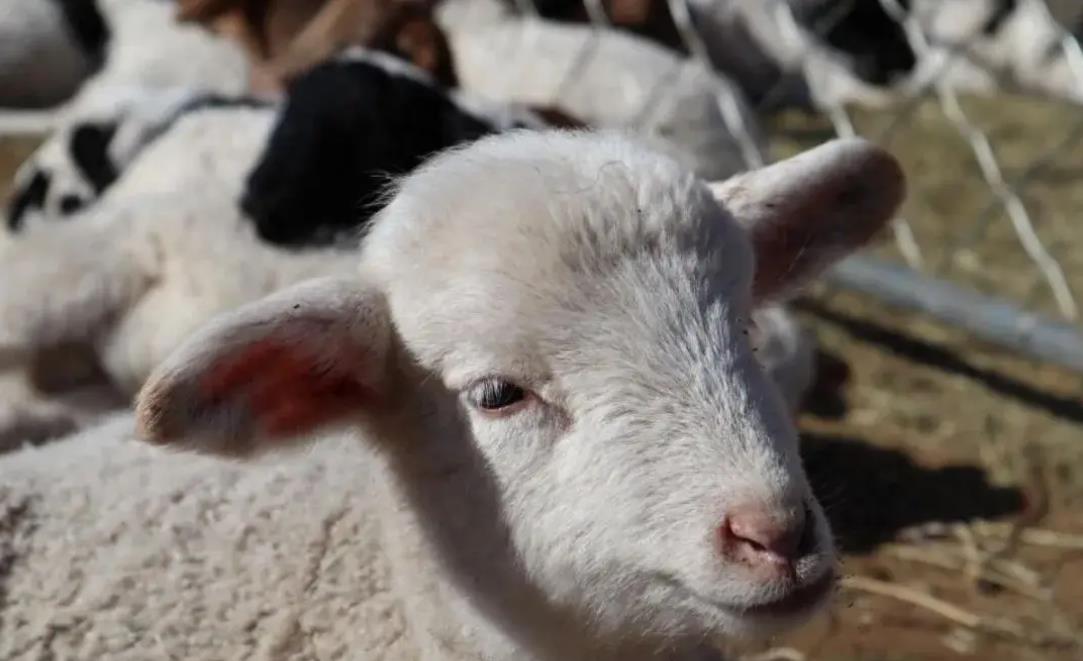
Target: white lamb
607,79
74,278
169,234
146,537
766,47
980,45
578,455
164,248
150,47
114,550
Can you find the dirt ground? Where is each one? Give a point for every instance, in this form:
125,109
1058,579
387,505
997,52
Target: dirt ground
952,472
952,475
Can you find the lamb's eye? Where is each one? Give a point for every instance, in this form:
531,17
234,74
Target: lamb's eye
495,394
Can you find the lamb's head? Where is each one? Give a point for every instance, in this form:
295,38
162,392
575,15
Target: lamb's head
562,317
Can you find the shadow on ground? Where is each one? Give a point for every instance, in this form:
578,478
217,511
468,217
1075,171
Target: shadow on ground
826,397
871,493
948,360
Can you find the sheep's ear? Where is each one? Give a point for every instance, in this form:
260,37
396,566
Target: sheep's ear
273,372
806,212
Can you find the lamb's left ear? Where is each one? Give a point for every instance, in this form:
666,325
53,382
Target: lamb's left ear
808,211
273,372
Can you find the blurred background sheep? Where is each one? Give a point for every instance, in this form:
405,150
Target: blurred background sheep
939,371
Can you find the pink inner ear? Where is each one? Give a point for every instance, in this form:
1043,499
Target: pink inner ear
286,389
783,252
805,239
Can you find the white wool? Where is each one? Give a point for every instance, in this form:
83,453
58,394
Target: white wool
607,79
149,47
115,550
750,41
208,150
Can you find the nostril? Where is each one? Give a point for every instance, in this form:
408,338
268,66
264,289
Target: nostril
758,536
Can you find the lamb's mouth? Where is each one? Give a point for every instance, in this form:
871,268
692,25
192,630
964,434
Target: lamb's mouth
796,601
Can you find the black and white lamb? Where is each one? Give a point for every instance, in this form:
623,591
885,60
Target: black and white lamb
342,129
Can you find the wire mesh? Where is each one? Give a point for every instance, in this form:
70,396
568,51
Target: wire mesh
991,225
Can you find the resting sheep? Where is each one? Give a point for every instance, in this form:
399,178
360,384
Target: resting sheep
344,126
823,53
980,45
115,550
858,48
576,455
219,173
74,167
195,171
806,53
607,79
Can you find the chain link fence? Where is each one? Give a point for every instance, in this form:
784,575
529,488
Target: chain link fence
989,240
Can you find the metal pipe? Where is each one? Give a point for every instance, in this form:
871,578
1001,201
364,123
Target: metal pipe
994,320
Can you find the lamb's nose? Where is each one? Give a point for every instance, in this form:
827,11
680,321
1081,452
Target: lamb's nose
758,535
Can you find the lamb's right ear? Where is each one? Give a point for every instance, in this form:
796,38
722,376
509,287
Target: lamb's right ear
808,211
273,372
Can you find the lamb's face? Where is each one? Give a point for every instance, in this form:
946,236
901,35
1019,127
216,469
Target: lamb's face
596,345
553,326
